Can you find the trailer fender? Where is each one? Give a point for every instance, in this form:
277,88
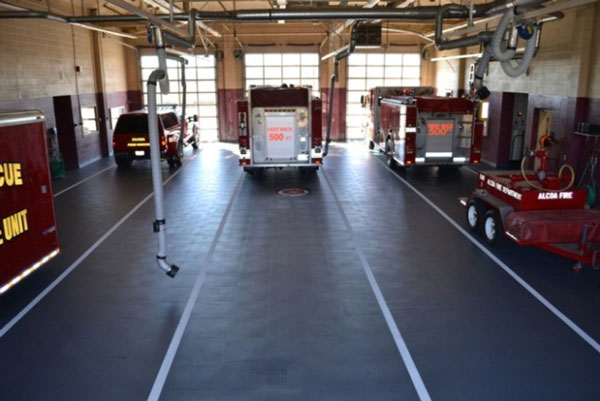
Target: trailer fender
503,208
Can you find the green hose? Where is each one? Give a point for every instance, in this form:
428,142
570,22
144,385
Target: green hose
591,194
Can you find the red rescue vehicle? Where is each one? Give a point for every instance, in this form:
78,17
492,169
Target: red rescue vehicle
536,208
280,127
28,236
425,130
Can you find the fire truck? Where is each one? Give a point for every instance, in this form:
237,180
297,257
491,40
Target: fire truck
372,101
418,129
28,236
280,127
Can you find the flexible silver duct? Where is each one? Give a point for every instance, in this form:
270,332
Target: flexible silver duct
159,223
521,68
481,67
343,53
183,63
501,53
162,58
162,78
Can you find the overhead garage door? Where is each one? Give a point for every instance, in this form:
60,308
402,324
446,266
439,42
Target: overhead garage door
367,70
201,86
283,68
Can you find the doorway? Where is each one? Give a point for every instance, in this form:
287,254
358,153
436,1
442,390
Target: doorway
519,121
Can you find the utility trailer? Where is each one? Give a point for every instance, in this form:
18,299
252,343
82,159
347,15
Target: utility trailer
280,127
427,130
538,209
28,236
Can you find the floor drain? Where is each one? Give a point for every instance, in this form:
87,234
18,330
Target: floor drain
293,192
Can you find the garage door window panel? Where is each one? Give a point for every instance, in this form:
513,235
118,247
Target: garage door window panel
368,70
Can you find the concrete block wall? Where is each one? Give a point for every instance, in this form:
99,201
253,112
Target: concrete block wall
40,60
595,59
564,77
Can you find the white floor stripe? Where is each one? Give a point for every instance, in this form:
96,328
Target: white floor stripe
163,373
82,181
389,319
470,170
81,258
586,337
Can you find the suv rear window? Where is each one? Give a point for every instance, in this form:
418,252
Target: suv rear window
169,120
134,124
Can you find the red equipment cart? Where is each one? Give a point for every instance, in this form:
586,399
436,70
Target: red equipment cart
540,209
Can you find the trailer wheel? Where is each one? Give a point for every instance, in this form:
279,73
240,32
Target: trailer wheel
475,212
492,226
389,152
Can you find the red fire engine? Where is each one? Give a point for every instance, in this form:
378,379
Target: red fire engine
414,128
280,127
28,236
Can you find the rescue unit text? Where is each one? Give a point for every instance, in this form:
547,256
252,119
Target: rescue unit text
10,175
13,226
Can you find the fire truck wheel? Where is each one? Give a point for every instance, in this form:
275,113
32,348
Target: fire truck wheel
196,140
475,212
492,226
123,161
256,172
174,161
389,152
309,170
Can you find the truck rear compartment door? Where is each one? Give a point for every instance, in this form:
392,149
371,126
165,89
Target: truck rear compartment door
280,136
439,134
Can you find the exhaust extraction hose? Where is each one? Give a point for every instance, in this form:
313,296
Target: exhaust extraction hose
159,223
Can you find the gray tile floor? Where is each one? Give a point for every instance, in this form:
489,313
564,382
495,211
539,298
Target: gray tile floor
285,311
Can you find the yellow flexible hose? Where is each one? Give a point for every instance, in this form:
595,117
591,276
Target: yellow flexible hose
559,175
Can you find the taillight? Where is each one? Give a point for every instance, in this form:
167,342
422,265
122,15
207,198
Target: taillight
114,144
243,137
410,146
316,127
476,142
